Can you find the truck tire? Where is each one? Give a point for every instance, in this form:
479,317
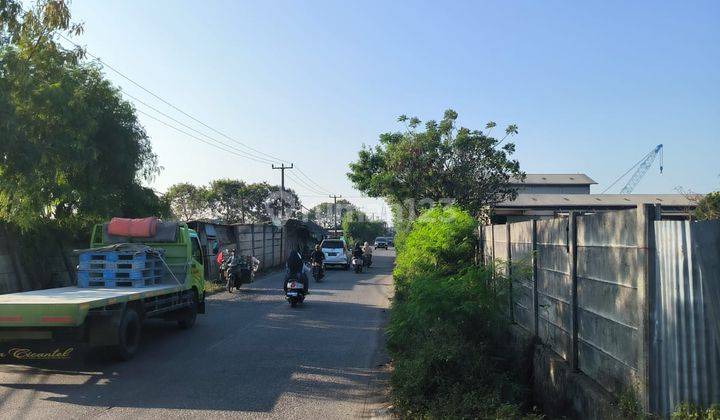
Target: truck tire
129,333
189,315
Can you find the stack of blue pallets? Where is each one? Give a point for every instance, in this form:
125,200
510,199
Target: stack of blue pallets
119,269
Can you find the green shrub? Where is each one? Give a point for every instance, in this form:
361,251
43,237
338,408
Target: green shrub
687,411
446,338
440,240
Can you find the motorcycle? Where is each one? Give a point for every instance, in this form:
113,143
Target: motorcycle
317,271
357,264
295,291
233,278
367,259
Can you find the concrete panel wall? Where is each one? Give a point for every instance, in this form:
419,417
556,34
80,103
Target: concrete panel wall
554,286
610,266
521,251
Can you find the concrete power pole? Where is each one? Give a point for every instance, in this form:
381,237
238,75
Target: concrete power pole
335,197
282,186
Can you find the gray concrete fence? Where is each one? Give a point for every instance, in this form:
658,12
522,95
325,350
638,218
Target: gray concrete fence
589,288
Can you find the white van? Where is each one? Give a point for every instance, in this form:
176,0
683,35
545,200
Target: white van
335,251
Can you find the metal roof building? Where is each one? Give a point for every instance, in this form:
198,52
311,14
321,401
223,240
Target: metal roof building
550,195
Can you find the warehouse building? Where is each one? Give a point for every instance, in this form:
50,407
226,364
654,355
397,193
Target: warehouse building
553,195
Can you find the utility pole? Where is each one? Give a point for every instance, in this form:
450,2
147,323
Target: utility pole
282,186
335,197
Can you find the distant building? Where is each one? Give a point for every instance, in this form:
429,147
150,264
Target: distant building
553,195
554,184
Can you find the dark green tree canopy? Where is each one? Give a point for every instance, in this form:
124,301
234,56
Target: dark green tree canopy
440,163
708,208
71,146
357,227
322,214
231,201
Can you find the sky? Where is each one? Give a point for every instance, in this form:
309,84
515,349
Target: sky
593,86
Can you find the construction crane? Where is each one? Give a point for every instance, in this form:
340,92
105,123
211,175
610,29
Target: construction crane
643,166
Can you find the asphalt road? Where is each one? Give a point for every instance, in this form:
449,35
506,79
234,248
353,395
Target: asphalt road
250,356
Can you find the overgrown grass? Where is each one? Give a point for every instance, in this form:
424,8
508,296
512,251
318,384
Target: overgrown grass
687,411
212,287
447,334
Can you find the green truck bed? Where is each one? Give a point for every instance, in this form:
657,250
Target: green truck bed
68,306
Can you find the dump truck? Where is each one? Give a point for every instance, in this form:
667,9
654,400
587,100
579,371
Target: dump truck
53,323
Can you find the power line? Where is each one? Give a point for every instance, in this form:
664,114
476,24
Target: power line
311,180
245,154
191,135
158,97
305,185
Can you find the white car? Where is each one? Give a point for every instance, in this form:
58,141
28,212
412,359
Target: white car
335,252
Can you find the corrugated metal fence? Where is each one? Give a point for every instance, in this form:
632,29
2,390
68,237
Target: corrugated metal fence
685,347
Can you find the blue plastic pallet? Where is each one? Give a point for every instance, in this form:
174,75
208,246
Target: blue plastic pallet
119,269
112,256
117,283
119,275
120,265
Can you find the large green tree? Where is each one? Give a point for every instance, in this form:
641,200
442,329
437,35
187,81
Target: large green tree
441,163
327,214
234,201
187,202
357,227
71,147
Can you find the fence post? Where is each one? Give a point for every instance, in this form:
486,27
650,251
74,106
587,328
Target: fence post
572,249
508,271
265,247
646,214
272,244
534,257
252,239
492,240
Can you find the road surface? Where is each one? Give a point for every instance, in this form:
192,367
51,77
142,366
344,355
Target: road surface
251,356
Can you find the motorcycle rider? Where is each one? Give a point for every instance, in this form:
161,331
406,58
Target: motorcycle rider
367,251
357,252
233,268
295,269
318,256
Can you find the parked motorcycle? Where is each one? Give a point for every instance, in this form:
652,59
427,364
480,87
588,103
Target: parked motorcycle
357,264
295,291
317,271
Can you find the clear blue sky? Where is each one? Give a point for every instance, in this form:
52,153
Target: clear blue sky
593,86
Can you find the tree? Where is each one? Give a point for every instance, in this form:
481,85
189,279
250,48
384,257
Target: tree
273,204
440,164
72,148
708,208
227,200
323,215
234,201
187,202
358,228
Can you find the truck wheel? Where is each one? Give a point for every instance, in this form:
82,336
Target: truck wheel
129,331
189,315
